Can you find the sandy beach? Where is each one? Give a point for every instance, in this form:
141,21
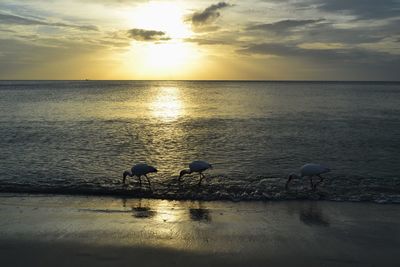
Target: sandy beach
48,230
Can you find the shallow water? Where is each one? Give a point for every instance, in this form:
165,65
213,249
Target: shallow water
79,136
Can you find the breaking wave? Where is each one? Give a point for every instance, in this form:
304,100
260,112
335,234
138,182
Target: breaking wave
222,188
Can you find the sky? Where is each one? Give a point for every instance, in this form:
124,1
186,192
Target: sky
200,40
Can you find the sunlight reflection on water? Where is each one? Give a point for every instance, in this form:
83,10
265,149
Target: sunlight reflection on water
71,136
168,104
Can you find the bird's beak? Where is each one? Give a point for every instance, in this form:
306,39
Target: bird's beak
181,174
288,181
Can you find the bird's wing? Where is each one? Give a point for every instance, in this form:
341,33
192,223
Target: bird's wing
199,165
313,169
139,169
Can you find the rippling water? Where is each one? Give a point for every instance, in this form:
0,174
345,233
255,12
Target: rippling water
79,136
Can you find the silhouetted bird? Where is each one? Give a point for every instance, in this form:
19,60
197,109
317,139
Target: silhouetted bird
139,170
198,166
309,170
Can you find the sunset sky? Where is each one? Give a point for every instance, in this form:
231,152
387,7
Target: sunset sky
257,39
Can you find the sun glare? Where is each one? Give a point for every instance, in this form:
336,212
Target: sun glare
161,59
170,56
166,17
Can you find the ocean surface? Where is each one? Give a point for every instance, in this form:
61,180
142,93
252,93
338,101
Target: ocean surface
77,137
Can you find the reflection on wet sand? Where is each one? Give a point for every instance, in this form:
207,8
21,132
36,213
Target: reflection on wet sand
312,215
199,213
143,212
140,210
240,234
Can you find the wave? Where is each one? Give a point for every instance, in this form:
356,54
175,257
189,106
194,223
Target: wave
262,189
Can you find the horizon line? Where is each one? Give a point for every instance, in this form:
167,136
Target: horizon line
200,80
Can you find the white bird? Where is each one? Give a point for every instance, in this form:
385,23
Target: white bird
309,170
198,166
139,170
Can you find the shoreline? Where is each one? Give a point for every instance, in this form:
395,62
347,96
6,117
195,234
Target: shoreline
264,191
45,230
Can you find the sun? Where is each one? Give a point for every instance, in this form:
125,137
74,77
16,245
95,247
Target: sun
161,16
161,59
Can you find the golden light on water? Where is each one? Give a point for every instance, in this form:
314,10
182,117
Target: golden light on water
167,104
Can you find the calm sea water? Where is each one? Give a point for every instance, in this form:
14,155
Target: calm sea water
79,136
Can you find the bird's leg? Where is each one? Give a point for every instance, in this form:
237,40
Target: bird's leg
140,181
201,177
321,179
148,180
287,183
311,183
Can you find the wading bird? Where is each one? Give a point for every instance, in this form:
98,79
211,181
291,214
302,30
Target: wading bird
198,166
309,170
139,170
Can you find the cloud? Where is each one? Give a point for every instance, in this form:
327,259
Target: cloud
346,63
201,41
273,49
147,35
24,58
17,20
265,34
323,31
202,21
7,30
363,9
205,28
283,25
115,2
327,32
209,14
329,54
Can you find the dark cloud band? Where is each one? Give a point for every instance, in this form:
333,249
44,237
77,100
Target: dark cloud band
283,25
17,20
147,35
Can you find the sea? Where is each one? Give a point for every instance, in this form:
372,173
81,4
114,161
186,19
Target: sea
78,137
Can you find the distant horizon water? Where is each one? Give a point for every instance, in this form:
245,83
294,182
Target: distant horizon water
204,80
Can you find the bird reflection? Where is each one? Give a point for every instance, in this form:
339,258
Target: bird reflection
313,216
200,214
140,211
143,212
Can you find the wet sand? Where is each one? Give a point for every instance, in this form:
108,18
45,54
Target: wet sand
46,230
